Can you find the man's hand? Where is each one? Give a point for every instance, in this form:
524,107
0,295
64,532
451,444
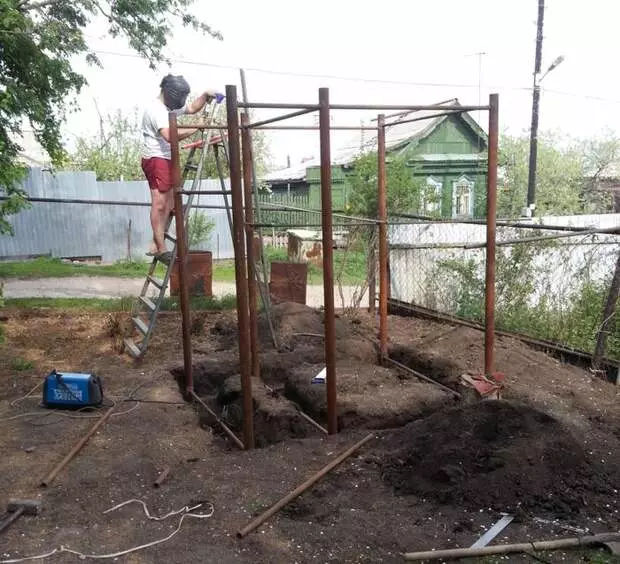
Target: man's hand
197,105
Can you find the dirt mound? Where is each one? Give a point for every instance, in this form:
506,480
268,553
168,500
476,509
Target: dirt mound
497,455
369,396
297,325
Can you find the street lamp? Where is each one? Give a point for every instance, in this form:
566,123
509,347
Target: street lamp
531,180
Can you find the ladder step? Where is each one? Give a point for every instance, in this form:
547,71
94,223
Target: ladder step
133,349
148,303
190,166
142,327
170,237
156,282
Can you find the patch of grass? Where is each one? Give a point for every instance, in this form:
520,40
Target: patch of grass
353,272
55,268
120,304
20,364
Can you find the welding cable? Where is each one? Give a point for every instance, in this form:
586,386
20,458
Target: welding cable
186,512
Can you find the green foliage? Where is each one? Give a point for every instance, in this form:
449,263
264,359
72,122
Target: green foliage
567,311
199,228
39,40
21,364
403,191
56,268
113,154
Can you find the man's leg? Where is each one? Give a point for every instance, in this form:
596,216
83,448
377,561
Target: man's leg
158,218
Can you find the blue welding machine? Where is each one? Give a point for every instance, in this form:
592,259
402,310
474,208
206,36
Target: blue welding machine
72,390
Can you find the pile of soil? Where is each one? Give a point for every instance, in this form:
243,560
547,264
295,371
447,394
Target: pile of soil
275,418
369,396
498,455
297,325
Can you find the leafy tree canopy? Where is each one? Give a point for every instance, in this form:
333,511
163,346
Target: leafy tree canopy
38,85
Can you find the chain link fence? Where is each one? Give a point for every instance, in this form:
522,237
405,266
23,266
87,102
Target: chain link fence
550,285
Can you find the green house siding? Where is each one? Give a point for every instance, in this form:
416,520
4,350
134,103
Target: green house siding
452,150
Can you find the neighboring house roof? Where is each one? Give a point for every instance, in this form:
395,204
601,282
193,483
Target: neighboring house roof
397,136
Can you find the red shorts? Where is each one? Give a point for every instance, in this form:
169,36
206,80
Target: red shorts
158,172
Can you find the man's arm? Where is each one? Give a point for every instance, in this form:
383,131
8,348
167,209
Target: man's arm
165,133
197,105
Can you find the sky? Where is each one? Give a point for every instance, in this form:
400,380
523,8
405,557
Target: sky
393,52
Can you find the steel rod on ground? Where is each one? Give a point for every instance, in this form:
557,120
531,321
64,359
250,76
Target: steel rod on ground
162,477
328,263
246,151
181,255
76,448
422,377
534,546
383,242
489,287
262,287
240,270
279,118
303,487
221,423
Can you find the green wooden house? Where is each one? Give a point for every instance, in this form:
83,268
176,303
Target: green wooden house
447,153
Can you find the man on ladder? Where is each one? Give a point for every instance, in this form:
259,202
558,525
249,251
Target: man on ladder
156,157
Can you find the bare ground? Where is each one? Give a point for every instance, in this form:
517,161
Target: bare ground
355,515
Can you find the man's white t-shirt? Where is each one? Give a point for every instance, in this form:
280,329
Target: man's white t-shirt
155,117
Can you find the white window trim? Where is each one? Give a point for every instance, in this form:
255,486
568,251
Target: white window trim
438,186
471,184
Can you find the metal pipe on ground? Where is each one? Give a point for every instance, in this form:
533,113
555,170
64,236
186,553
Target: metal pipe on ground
76,448
303,487
575,542
182,254
489,286
162,477
383,242
221,423
328,262
240,266
246,151
422,377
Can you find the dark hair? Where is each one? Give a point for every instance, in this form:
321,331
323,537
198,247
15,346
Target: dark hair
175,90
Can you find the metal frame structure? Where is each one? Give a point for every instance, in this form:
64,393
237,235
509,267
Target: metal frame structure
243,230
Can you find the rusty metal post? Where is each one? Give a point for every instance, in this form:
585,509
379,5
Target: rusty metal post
182,250
240,270
489,288
328,261
246,152
383,242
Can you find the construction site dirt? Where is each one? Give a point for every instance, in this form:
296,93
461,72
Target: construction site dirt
438,474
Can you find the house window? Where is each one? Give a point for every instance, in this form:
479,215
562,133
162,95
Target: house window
463,197
431,196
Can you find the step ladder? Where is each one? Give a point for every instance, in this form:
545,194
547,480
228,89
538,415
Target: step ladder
146,307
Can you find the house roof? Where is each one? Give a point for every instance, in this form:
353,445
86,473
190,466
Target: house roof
397,135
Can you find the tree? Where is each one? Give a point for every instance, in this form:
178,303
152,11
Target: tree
114,154
569,176
403,192
38,39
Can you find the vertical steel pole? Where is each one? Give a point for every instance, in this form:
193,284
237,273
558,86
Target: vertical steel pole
240,271
328,261
383,243
246,152
181,255
489,289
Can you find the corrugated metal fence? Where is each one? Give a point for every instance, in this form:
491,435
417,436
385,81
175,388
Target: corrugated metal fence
112,232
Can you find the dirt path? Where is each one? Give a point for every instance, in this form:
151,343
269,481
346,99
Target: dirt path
110,287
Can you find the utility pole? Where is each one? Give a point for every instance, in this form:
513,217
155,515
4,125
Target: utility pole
531,180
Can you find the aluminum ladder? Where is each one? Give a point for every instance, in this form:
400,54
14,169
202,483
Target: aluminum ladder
145,309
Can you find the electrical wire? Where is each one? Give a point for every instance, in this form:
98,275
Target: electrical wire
184,511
